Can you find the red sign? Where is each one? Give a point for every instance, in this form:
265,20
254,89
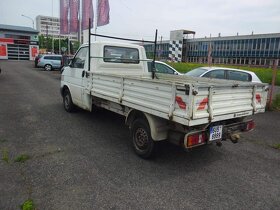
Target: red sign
34,51
7,40
3,50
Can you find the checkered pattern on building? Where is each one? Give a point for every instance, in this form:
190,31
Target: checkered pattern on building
175,50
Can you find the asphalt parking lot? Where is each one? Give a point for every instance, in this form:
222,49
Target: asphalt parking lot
85,160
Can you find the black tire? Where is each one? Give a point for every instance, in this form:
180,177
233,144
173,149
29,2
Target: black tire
48,67
67,101
142,142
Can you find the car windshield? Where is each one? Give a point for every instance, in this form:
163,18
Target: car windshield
196,72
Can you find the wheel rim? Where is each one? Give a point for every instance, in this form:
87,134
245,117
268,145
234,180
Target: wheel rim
48,67
141,139
66,101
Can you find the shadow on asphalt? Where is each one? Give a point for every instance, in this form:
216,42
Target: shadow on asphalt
167,154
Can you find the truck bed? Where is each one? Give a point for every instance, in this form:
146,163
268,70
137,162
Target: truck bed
185,100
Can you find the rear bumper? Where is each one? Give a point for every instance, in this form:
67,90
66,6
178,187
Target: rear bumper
230,131
236,128
197,138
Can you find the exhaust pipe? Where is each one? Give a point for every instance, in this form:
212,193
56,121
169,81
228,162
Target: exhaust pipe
234,138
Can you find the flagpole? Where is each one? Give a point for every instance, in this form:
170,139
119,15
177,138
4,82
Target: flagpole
59,44
52,30
209,59
80,23
96,16
68,44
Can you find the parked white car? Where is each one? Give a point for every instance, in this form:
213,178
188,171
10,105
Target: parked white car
224,73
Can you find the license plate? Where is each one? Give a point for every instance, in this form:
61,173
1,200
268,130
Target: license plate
216,132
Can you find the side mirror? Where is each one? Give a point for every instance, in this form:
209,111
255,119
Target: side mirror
69,62
176,73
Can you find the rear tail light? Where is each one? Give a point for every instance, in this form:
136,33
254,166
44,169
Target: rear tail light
195,139
250,125
39,60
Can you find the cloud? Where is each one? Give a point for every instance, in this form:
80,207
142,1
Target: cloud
137,19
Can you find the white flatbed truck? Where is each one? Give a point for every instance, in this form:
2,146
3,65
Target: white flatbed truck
184,110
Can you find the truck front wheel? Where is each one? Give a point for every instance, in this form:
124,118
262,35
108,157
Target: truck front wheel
143,144
67,101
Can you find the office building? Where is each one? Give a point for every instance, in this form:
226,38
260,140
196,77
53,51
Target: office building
50,26
254,49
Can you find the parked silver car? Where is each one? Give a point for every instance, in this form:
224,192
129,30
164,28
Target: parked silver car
224,73
49,62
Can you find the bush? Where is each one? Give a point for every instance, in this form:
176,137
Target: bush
276,102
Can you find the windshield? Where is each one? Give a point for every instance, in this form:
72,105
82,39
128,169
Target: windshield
196,72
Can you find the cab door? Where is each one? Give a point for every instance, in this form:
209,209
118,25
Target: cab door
77,76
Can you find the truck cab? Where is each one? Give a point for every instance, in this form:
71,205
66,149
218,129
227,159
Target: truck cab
107,58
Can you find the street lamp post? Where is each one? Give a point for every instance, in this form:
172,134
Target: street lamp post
29,19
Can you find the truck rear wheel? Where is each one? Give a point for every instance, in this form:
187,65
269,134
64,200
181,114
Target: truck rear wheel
142,142
67,101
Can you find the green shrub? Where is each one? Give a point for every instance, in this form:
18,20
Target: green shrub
276,102
28,205
22,158
5,155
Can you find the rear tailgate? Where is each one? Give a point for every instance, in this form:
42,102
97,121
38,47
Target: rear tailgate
220,102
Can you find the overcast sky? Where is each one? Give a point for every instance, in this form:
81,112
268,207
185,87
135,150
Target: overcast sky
139,18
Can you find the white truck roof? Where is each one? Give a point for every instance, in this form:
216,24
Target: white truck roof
112,43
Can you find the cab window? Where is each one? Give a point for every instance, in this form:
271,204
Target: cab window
79,60
115,54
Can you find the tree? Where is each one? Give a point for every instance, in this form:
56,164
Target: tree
46,43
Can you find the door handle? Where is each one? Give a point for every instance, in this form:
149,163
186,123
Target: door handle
83,73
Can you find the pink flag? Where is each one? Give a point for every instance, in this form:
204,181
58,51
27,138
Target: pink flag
64,9
87,13
74,12
103,12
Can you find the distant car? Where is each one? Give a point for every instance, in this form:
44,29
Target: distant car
224,73
162,67
37,59
50,62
